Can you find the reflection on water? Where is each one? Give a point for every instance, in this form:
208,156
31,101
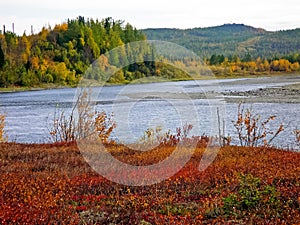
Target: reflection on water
169,105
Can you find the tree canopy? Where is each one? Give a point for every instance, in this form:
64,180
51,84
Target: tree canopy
63,54
60,55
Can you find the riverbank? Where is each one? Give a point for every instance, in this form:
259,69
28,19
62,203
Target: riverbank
283,89
13,89
52,183
143,81
268,89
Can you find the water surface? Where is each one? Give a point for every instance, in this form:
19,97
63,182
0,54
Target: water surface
29,115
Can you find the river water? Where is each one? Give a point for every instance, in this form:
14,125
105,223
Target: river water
136,107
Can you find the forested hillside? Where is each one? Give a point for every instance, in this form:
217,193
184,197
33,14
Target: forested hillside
232,40
62,54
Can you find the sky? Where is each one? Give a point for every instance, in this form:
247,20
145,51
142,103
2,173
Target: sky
271,15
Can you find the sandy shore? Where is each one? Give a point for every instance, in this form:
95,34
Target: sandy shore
268,89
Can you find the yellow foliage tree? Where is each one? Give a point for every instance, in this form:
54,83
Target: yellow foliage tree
275,65
266,65
34,61
295,66
251,66
24,48
61,27
61,72
284,65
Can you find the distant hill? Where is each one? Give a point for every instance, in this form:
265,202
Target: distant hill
231,39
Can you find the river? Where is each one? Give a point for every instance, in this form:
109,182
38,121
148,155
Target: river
136,107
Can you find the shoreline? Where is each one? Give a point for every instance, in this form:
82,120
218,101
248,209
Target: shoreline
287,91
154,79
25,89
282,89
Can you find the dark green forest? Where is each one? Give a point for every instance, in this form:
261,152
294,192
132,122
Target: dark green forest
62,55
232,40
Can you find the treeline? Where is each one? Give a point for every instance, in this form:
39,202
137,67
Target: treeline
235,65
60,55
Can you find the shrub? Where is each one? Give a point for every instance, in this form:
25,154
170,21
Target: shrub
2,125
297,134
252,196
82,122
104,125
157,137
252,130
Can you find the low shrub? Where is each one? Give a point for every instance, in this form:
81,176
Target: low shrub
82,122
252,197
252,130
2,125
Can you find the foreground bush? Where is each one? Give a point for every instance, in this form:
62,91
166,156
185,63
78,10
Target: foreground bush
252,130
83,121
2,124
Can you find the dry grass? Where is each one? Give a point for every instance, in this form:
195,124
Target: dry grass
2,125
297,135
82,122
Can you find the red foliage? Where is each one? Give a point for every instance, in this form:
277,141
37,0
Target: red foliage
52,184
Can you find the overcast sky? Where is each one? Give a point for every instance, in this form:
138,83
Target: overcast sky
268,14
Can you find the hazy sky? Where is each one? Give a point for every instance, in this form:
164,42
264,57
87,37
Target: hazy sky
268,14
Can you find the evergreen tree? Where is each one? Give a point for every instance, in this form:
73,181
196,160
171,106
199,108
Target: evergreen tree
2,59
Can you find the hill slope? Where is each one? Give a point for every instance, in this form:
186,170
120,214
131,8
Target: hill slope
231,39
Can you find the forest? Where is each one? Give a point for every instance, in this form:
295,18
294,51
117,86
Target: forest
62,55
232,40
